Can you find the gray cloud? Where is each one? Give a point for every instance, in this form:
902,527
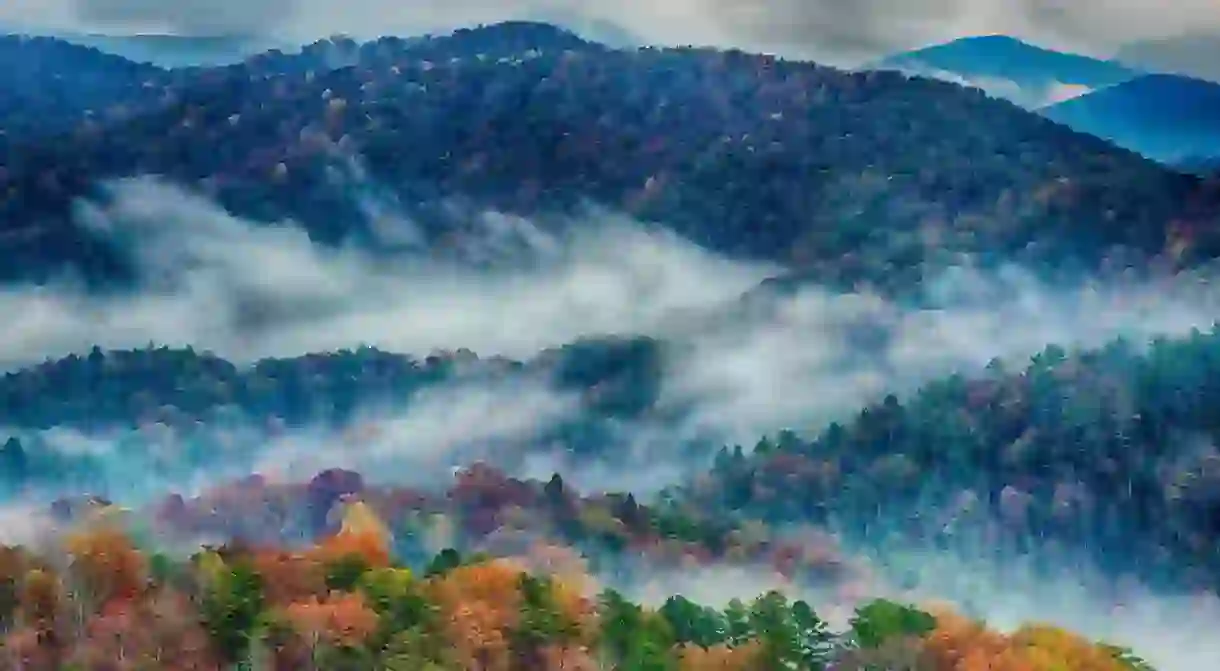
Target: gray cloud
833,30
189,17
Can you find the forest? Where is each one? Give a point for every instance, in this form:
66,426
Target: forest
169,506
344,603
851,177
1102,452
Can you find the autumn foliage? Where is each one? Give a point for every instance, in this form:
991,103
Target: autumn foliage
959,644
344,604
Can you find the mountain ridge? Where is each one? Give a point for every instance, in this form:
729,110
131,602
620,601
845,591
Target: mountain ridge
883,160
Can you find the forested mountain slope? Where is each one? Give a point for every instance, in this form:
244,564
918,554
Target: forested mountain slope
49,85
1109,451
343,603
1166,117
847,175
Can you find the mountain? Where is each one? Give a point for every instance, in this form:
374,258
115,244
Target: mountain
1166,117
865,176
1190,55
1200,165
1007,67
687,249
1122,433
51,85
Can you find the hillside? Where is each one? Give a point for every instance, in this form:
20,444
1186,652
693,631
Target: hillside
53,86
1108,452
1080,451
848,176
1166,117
1006,67
504,350
343,604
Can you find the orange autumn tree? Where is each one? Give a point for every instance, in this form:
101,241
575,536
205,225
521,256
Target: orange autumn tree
960,644
156,632
289,577
479,608
105,563
342,619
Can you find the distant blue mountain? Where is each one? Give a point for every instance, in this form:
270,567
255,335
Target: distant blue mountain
1170,118
1006,67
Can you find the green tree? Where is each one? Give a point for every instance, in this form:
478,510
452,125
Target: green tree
231,609
692,623
880,620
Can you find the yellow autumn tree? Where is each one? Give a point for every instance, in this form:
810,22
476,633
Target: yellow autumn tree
105,562
362,534
960,644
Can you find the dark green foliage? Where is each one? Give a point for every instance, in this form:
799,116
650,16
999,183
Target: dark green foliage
232,608
636,640
793,636
13,460
541,622
882,620
444,562
1105,451
345,573
692,623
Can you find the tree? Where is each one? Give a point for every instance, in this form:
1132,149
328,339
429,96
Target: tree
479,606
362,535
159,632
540,623
106,565
231,608
335,630
880,620
721,657
692,623
13,459
397,599
445,561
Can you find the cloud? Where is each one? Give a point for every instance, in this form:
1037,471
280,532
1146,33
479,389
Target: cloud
733,370
189,17
246,291
739,369
1029,95
1170,632
1059,92
830,29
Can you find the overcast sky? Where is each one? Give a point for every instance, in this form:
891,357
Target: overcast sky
838,29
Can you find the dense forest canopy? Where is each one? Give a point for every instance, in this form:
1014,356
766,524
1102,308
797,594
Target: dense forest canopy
342,603
851,176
